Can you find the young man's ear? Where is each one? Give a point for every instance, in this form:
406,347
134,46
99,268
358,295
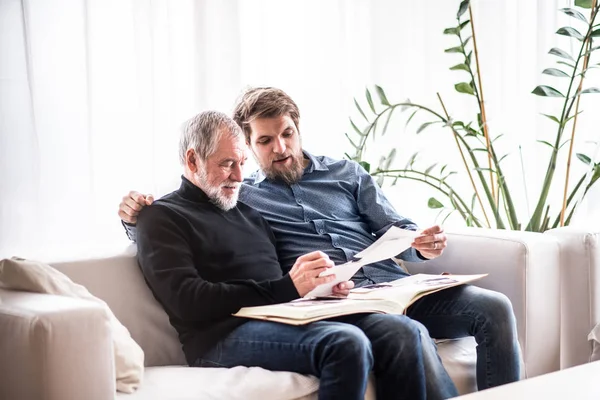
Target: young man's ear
191,160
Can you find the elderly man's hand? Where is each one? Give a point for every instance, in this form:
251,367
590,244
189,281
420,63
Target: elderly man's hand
431,242
306,270
343,289
132,204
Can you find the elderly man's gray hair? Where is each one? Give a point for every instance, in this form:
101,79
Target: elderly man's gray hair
203,132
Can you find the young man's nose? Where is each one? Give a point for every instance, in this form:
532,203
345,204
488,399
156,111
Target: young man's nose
279,146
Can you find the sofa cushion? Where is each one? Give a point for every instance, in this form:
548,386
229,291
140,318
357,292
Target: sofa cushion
186,383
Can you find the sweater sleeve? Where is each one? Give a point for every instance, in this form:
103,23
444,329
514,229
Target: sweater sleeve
166,260
130,230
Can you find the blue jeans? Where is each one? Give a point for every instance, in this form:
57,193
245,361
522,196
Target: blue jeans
342,352
472,311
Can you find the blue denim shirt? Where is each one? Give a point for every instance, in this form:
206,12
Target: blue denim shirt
336,207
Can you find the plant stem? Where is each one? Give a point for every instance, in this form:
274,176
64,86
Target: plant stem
482,102
462,155
451,193
586,60
573,192
486,189
535,222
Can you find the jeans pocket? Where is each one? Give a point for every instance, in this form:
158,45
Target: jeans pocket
210,359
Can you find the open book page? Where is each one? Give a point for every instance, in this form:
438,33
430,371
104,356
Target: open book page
389,298
389,245
407,290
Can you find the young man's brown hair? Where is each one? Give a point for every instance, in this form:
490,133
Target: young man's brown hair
264,102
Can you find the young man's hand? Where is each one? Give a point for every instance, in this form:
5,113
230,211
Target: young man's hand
132,204
431,242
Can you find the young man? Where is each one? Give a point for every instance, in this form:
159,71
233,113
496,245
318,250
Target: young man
335,206
205,256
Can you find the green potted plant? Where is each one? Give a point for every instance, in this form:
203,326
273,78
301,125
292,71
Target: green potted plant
491,202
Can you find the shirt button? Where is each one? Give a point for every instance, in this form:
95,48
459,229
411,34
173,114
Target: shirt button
299,201
321,231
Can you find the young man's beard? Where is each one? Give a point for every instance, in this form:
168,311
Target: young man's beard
214,192
290,175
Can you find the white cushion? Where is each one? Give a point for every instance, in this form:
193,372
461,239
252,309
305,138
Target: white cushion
37,277
185,383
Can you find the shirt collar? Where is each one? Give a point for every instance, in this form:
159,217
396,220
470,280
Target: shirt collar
313,165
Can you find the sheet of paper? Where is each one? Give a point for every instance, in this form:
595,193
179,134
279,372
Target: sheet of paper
390,244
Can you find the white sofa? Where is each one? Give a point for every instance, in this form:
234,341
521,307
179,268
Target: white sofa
58,348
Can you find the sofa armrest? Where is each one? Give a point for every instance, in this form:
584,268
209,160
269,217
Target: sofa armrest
54,347
580,291
525,267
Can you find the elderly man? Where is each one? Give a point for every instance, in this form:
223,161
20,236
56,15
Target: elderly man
205,256
335,206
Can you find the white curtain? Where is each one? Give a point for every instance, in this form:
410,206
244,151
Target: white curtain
92,93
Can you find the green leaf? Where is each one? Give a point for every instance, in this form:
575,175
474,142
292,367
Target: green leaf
456,49
497,137
464,6
547,91
560,53
411,116
365,165
584,3
351,142
348,156
595,33
459,67
464,87
502,158
381,95
462,25
370,101
387,121
424,126
428,170
355,127
546,143
552,117
390,158
464,43
443,168
469,57
574,13
566,63
484,169
448,175
555,72
434,203
585,159
570,32
360,110
451,31
590,90
573,116
411,161
404,108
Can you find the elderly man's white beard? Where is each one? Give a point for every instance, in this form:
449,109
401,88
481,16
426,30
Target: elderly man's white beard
215,194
